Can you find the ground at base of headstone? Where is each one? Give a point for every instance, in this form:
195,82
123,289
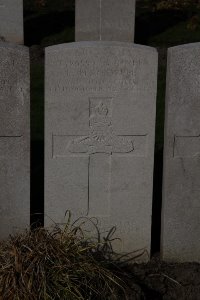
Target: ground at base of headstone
166,281
64,264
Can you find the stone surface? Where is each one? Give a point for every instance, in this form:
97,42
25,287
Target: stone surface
100,121
106,20
11,21
181,190
14,139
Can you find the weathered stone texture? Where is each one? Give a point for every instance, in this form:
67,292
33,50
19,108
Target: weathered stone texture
11,21
181,191
100,121
106,20
14,139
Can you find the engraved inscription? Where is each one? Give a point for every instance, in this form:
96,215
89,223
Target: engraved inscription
10,89
9,77
14,89
186,146
99,146
103,74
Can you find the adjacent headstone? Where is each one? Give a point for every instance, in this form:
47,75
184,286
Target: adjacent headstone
106,20
181,191
14,139
100,122
11,21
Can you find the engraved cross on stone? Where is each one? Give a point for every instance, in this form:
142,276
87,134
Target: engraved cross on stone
186,146
100,145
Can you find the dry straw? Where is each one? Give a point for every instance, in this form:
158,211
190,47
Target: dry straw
59,264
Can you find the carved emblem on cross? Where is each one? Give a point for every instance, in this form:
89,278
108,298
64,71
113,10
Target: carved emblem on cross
101,138
100,146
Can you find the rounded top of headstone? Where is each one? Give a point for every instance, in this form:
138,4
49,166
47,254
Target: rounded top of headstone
96,44
184,47
12,46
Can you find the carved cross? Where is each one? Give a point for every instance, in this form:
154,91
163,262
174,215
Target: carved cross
100,146
186,146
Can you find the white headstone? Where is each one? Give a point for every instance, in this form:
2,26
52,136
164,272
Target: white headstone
105,20
181,191
11,21
14,139
100,122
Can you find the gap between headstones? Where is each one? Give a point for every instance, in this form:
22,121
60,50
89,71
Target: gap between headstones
37,143
158,157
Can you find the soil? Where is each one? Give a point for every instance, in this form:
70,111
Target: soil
158,280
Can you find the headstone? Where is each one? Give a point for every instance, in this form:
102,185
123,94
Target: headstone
14,139
11,21
181,191
100,122
106,20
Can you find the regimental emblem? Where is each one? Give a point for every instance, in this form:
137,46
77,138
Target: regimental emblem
101,138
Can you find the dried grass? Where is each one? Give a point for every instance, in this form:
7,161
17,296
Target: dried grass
58,264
